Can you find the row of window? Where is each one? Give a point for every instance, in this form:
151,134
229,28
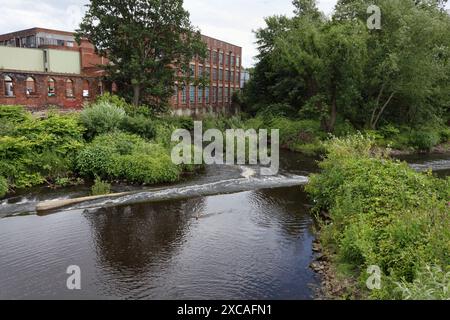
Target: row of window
30,42
217,74
214,95
218,57
30,87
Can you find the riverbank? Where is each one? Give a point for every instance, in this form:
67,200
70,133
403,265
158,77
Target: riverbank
380,213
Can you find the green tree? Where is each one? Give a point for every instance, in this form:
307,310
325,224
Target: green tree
147,43
407,77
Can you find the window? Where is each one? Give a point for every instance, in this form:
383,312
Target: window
30,86
233,61
214,95
192,70
227,60
69,89
51,87
215,55
237,77
208,57
220,94
220,75
238,62
228,75
85,89
183,95
214,74
227,94
192,94
207,95
233,76
70,44
200,71
200,95
221,58
207,73
9,86
100,88
175,94
60,43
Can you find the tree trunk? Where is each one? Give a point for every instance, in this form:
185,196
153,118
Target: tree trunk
136,94
377,119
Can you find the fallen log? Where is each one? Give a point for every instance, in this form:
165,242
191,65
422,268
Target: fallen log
58,204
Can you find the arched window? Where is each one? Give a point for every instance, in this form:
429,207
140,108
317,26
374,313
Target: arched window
51,87
100,88
85,89
9,86
69,89
30,86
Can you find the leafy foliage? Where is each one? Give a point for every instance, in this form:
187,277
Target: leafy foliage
337,68
100,188
102,117
121,156
39,149
145,40
431,283
3,187
383,213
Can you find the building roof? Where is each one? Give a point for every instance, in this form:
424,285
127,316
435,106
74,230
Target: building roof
36,30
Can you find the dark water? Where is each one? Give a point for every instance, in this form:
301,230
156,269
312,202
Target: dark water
244,245
235,244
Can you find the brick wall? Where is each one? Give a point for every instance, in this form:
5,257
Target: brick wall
41,99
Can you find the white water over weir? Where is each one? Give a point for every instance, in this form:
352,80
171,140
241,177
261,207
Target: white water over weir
209,189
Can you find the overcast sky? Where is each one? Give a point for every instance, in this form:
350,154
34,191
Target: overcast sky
230,20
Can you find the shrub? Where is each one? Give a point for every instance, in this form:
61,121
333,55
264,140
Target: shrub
431,283
102,117
40,149
127,157
13,114
139,125
383,213
299,135
3,187
277,110
100,188
424,139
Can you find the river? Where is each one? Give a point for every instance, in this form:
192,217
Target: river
249,238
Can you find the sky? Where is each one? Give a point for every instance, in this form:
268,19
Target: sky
232,21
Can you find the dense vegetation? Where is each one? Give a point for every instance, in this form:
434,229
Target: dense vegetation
384,213
108,140
394,82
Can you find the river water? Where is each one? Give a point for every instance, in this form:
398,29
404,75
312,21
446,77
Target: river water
224,234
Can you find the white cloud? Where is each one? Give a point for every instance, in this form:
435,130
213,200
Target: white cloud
232,20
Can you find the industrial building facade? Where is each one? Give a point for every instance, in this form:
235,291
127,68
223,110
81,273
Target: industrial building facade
42,67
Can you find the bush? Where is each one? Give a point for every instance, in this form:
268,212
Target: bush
13,114
37,150
102,117
121,156
139,125
100,188
299,135
277,110
3,187
431,283
383,213
424,140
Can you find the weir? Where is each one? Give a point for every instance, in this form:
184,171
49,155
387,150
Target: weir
209,189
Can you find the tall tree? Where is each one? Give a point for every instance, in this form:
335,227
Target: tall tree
149,44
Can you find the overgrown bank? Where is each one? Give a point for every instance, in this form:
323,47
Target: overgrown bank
382,213
109,140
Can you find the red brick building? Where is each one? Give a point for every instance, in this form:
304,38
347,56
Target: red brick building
41,67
